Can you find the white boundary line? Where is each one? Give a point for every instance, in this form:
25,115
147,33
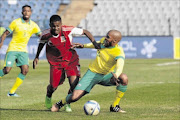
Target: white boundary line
156,82
167,63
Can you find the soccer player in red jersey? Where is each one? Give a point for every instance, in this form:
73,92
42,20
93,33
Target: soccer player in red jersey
62,59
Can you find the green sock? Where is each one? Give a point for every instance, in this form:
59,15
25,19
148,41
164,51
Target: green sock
68,98
1,73
122,88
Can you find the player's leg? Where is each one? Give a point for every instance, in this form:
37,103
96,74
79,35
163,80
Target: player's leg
8,63
73,74
73,80
120,90
5,71
19,80
49,93
22,61
83,87
76,95
57,76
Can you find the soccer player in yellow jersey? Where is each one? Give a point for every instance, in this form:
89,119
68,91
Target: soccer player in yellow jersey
105,70
22,29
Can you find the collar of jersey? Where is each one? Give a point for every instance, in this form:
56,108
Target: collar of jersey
56,36
24,21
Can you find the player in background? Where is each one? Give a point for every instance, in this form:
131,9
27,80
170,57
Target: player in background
105,70
2,29
22,29
62,59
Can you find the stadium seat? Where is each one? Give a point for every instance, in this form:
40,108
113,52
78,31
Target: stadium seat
42,10
143,15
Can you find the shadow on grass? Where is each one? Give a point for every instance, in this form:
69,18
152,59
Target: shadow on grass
1,109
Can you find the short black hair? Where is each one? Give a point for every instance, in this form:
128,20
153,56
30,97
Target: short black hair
26,6
55,18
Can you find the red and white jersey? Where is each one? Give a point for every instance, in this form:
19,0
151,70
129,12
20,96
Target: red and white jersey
58,48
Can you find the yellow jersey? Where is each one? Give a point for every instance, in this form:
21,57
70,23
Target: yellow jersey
106,57
22,31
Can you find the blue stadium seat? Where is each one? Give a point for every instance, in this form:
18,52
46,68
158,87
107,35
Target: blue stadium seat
5,23
147,12
41,10
3,4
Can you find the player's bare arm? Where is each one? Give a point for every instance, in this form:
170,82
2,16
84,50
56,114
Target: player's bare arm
36,59
119,69
119,66
43,39
88,45
77,45
90,36
3,37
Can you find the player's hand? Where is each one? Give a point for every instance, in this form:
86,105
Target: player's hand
35,62
115,79
77,45
1,44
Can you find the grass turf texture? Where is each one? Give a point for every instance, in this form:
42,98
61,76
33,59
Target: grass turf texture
153,94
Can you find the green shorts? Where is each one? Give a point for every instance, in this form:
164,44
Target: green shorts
21,58
90,79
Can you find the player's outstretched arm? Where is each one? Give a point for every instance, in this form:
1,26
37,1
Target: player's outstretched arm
36,59
90,36
77,45
3,37
119,66
88,45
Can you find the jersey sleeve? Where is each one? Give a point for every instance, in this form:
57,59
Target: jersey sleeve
36,30
90,45
44,36
12,26
120,54
102,39
76,31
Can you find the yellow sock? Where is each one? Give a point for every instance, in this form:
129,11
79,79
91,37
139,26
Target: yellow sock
16,85
119,95
64,101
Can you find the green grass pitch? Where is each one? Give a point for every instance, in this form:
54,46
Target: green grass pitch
153,94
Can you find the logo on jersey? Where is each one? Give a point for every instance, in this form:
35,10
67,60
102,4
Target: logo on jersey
49,43
9,62
63,39
149,48
79,85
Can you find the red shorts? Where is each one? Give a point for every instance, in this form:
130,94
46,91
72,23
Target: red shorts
57,74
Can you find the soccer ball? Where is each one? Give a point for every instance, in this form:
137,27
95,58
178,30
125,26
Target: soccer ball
91,107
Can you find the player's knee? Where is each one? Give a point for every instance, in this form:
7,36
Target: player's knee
51,88
124,79
25,71
73,83
6,70
75,97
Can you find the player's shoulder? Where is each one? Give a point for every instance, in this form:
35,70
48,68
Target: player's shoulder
67,28
102,39
45,32
33,23
119,50
17,20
